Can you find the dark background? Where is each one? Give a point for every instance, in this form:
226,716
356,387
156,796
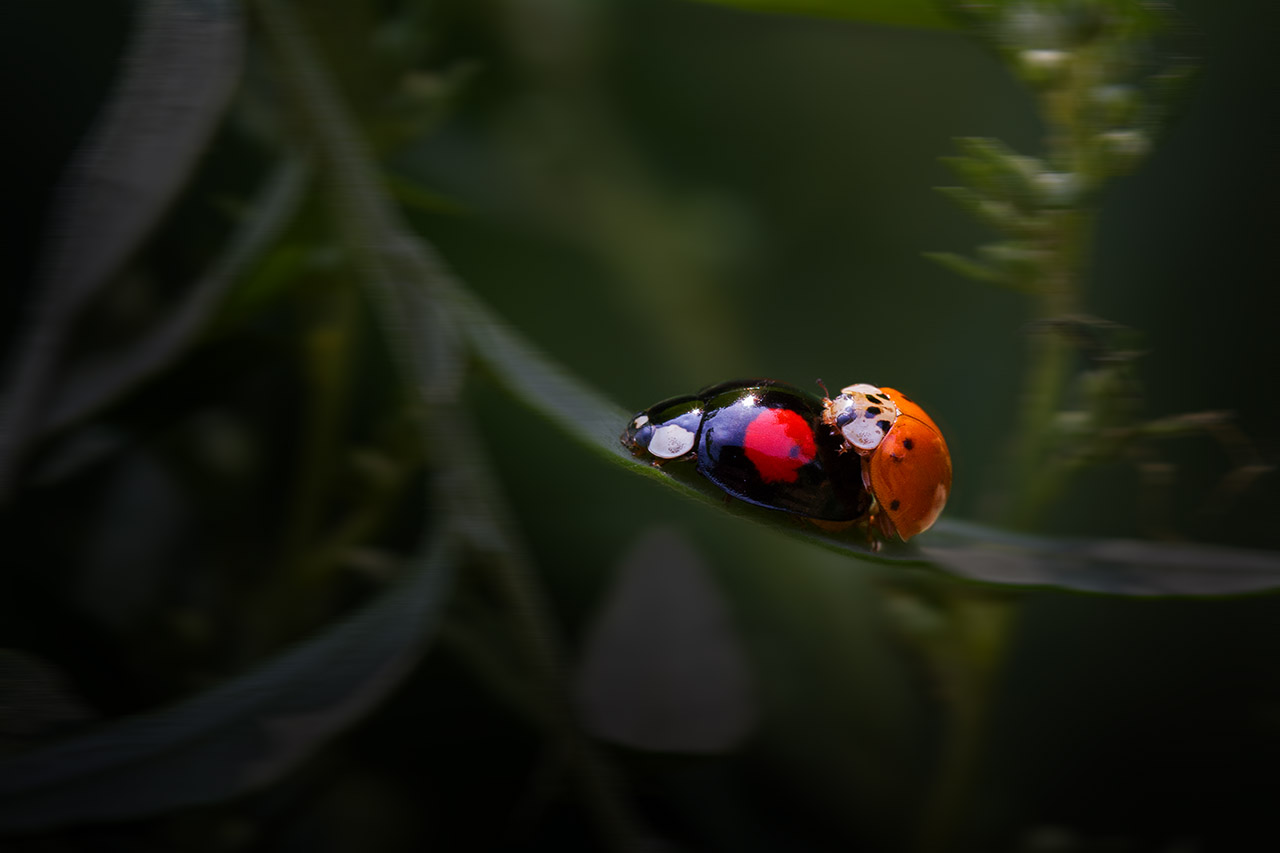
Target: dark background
664,195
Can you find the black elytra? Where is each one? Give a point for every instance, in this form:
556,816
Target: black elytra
764,443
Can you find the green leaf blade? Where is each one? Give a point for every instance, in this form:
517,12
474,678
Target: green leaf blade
241,735
1123,567
179,76
963,550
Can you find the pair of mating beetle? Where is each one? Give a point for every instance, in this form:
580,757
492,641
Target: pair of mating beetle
870,454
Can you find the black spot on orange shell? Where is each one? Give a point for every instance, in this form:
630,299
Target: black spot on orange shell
908,443
893,505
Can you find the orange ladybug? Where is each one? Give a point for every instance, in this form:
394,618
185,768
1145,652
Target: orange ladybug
906,465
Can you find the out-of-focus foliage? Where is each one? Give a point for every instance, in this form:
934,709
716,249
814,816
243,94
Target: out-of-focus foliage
900,13
266,436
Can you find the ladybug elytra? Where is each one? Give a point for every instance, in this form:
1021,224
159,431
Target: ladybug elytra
760,441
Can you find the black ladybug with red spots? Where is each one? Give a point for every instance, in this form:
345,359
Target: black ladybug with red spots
869,454
761,441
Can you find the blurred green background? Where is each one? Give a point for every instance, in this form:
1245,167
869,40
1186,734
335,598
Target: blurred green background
661,195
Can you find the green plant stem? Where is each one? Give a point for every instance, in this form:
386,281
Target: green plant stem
485,523
292,600
1040,471
405,279
1040,468
965,667
326,356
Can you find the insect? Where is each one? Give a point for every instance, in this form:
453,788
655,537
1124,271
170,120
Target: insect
868,455
761,441
905,461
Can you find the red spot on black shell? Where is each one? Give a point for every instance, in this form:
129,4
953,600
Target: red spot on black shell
779,442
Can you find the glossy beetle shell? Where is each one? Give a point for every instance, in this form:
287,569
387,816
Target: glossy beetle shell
760,441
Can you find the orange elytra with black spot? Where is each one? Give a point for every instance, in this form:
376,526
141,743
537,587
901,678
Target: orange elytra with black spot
909,473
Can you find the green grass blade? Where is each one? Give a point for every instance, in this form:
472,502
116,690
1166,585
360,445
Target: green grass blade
539,382
94,383
179,75
240,735
1127,567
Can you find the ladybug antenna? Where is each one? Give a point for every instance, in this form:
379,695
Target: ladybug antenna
823,386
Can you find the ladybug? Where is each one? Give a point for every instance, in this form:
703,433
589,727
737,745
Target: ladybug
772,445
763,442
906,465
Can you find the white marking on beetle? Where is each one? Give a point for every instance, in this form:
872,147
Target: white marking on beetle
670,441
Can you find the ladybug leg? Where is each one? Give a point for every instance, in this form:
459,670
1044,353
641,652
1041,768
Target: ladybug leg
869,529
886,526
